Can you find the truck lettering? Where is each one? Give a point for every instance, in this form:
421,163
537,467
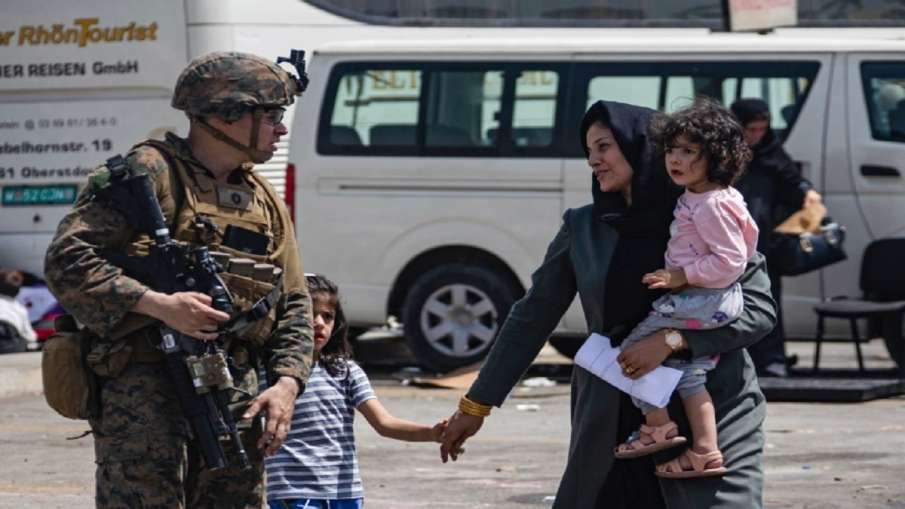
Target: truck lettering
11,71
57,69
85,31
127,67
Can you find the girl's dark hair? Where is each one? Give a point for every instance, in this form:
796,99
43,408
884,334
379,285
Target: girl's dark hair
721,137
338,350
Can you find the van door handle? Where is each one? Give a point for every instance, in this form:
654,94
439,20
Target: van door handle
869,170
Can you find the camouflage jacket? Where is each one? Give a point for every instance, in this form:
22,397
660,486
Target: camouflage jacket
101,296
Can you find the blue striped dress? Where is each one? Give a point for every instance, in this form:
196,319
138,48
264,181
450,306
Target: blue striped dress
318,458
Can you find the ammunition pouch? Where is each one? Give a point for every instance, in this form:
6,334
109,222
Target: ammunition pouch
250,298
70,388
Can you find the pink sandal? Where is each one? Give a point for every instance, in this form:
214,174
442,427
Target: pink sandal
633,447
673,469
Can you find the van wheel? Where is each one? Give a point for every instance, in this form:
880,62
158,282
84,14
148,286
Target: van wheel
354,333
10,340
452,315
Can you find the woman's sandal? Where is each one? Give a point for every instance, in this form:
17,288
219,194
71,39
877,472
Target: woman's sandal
635,448
673,469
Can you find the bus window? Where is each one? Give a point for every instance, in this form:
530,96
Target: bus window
376,107
534,111
463,108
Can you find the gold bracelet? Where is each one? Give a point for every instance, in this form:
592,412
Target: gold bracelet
469,407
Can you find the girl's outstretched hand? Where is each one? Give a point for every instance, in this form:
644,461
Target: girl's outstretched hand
663,278
438,429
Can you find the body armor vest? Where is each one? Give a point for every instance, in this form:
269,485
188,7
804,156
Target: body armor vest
204,209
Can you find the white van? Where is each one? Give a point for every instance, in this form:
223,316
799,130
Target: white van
431,174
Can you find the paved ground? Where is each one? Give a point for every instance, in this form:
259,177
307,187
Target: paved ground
818,455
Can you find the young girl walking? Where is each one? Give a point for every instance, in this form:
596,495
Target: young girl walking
712,236
317,466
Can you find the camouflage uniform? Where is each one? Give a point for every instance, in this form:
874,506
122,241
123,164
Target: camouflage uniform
145,455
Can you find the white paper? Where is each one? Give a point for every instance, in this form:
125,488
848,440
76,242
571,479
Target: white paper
598,356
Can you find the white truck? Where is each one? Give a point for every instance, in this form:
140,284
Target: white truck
82,81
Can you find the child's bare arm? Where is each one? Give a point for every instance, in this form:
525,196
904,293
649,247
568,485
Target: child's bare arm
392,427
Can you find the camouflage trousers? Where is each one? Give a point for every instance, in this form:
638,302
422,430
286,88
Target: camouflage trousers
145,456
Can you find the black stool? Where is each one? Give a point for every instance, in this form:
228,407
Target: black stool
883,285
852,310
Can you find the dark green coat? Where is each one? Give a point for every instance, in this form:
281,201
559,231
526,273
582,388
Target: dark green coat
577,261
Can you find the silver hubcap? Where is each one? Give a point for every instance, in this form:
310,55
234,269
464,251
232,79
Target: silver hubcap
459,320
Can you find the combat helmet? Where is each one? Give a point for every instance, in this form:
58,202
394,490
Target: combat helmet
230,84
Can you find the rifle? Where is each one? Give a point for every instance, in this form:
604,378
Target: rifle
198,369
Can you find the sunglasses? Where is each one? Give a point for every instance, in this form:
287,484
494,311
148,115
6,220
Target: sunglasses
273,115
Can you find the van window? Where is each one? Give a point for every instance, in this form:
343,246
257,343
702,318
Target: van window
463,108
638,90
670,86
442,109
780,93
534,112
884,92
376,107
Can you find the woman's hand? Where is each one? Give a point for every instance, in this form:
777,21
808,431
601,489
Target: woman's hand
812,197
642,357
460,427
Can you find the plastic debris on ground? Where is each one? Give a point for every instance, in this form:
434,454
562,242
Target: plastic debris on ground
538,381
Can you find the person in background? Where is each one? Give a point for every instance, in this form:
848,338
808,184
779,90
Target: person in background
15,330
773,188
317,467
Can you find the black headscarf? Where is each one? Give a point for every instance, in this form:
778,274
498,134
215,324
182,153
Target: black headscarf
643,226
653,194
749,110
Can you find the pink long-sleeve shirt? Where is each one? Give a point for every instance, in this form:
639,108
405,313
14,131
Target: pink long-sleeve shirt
712,236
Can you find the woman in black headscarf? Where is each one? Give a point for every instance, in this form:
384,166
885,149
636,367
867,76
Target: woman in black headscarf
601,252
773,189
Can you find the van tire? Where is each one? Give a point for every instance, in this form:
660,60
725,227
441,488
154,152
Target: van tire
453,313
10,339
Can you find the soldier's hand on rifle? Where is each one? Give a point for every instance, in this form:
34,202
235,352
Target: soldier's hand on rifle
279,402
188,312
